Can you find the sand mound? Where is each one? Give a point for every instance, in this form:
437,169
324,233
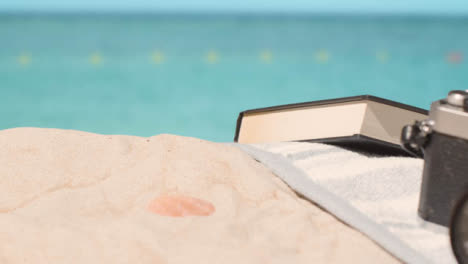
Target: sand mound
76,197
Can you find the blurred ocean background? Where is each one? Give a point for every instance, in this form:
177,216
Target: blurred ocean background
192,74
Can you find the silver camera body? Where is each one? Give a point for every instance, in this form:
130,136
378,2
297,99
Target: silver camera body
442,140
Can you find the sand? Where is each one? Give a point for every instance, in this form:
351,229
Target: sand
76,197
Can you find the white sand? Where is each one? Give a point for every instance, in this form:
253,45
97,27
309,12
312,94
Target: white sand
76,197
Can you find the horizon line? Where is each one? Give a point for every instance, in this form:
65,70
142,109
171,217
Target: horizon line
240,13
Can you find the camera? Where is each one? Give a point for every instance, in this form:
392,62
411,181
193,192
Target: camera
442,140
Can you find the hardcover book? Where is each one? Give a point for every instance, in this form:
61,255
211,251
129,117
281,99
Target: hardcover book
366,123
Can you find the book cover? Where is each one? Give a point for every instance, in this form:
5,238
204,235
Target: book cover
365,123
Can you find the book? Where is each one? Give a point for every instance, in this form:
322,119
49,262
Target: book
365,123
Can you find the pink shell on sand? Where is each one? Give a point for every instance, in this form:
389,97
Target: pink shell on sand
180,206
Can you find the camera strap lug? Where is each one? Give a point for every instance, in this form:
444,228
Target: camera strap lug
415,136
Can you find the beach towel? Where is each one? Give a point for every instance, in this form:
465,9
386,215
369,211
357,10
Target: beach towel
376,195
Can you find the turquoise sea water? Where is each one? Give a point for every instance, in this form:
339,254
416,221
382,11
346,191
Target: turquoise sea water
192,75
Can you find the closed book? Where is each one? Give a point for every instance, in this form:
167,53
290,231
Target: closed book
366,123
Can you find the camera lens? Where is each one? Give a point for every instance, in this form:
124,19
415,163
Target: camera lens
459,230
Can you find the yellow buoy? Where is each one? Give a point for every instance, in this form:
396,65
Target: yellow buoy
322,56
266,56
212,57
24,59
157,57
382,56
95,59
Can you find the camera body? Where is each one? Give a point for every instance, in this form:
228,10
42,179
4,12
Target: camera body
443,142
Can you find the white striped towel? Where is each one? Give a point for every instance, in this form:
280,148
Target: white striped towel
376,195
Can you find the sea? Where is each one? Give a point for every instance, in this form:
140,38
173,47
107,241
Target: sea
191,74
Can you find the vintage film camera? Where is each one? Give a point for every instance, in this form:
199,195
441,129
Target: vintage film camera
442,140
